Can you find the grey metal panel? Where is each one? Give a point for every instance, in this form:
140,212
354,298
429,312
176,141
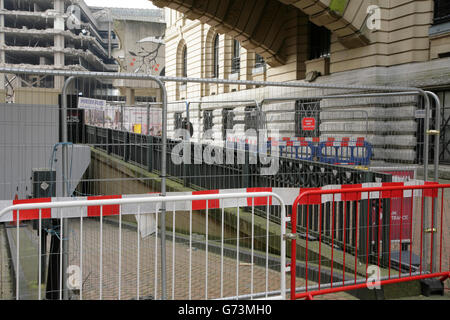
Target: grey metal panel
28,134
78,160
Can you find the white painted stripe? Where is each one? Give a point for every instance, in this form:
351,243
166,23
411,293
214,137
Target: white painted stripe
417,192
373,194
287,194
232,203
329,197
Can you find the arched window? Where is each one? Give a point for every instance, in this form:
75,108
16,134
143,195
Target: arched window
216,57
236,60
184,62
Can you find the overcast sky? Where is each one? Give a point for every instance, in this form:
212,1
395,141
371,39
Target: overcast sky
143,4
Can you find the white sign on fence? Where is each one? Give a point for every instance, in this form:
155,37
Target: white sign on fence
88,103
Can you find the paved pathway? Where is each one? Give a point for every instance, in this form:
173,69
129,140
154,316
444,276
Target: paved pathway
205,267
5,275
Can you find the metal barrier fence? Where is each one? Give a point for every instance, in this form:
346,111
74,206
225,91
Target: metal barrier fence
300,101
241,171
352,152
401,228
292,173
216,247
47,129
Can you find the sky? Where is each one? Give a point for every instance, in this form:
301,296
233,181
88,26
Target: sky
141,4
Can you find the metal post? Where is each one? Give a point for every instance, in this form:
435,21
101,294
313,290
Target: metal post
426,141
109,33
163,187
121,117
188,104
425,242
163,157
65,192
148,119
436,134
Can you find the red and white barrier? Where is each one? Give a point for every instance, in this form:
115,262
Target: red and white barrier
287,194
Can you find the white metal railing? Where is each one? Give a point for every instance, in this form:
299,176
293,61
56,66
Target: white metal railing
241,202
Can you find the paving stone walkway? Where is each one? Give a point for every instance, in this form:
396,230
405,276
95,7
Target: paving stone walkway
5,275
187,283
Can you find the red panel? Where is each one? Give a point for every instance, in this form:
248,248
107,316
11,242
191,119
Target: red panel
351,196
345,141
201,204
260,201
432,193
310,199
109,210
32,214
360,142
392,193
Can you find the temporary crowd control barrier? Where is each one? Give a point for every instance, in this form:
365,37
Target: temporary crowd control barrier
388,216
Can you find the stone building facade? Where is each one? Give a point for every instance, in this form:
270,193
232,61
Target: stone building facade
389,43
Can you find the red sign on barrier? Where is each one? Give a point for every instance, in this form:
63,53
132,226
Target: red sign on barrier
401,214
308,124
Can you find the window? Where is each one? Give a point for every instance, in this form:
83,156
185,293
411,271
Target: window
207,124
216,57
184,63
227,121
207,120
441,11
319,42
236,60
251,118
178,120
259,61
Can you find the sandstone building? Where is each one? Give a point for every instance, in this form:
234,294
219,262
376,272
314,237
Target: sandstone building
351,42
